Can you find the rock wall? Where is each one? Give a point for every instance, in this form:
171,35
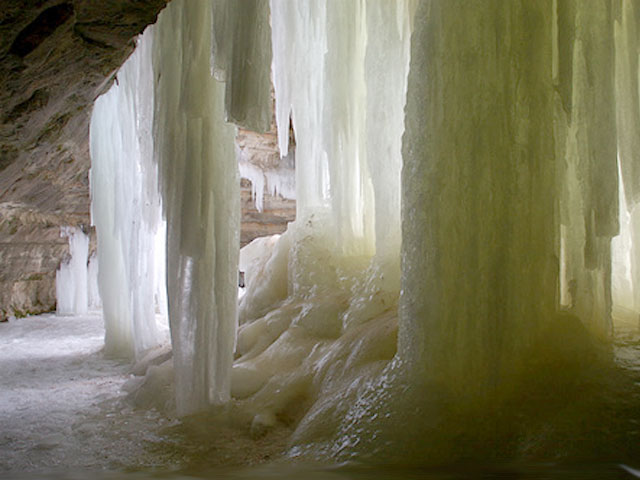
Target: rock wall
56,57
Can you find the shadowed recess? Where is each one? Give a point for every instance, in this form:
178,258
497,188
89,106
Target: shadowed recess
42,27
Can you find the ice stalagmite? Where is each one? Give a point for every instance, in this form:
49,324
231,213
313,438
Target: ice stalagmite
200,192
126,207
479,186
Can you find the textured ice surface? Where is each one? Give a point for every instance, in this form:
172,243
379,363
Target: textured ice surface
72,276
586,140
241,57
126,207
339,72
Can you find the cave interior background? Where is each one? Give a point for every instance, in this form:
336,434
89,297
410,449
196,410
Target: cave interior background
465,247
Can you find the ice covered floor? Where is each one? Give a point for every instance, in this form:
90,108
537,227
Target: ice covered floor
60,399
63,412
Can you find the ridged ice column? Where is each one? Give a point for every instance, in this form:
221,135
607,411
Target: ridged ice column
200,190
479,190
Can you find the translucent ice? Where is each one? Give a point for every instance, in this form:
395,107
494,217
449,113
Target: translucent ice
126,207
200,191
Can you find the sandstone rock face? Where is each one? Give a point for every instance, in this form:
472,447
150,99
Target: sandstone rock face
56,57
260,151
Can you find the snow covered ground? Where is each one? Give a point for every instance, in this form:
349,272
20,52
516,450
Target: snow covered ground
61,404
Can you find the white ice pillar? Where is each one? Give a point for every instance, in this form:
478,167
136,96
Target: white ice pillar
200,191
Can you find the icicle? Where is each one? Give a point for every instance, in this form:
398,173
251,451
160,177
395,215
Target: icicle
589,197
627,98
95,302
626,247
348,136
242,58
257,178
479,188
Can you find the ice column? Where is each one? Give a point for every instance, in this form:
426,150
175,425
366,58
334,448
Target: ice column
200,191
126,207
479,187
71,277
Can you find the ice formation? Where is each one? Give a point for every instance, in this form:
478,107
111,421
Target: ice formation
348,137
71,278
282,181
626,253
277,181
319,316
510,203
497,187
256,176
126,207
241,57
93,290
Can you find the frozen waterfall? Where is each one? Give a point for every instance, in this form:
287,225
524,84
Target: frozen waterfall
126,208
461,170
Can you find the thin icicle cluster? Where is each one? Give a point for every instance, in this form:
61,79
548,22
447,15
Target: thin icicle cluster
126,207
257,178
339,72
277,181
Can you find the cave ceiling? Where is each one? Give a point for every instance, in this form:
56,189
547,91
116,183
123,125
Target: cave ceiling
56,57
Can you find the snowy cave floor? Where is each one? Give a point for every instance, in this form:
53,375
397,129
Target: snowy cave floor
63,414
62,408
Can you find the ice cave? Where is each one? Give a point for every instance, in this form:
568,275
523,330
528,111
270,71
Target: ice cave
459,293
